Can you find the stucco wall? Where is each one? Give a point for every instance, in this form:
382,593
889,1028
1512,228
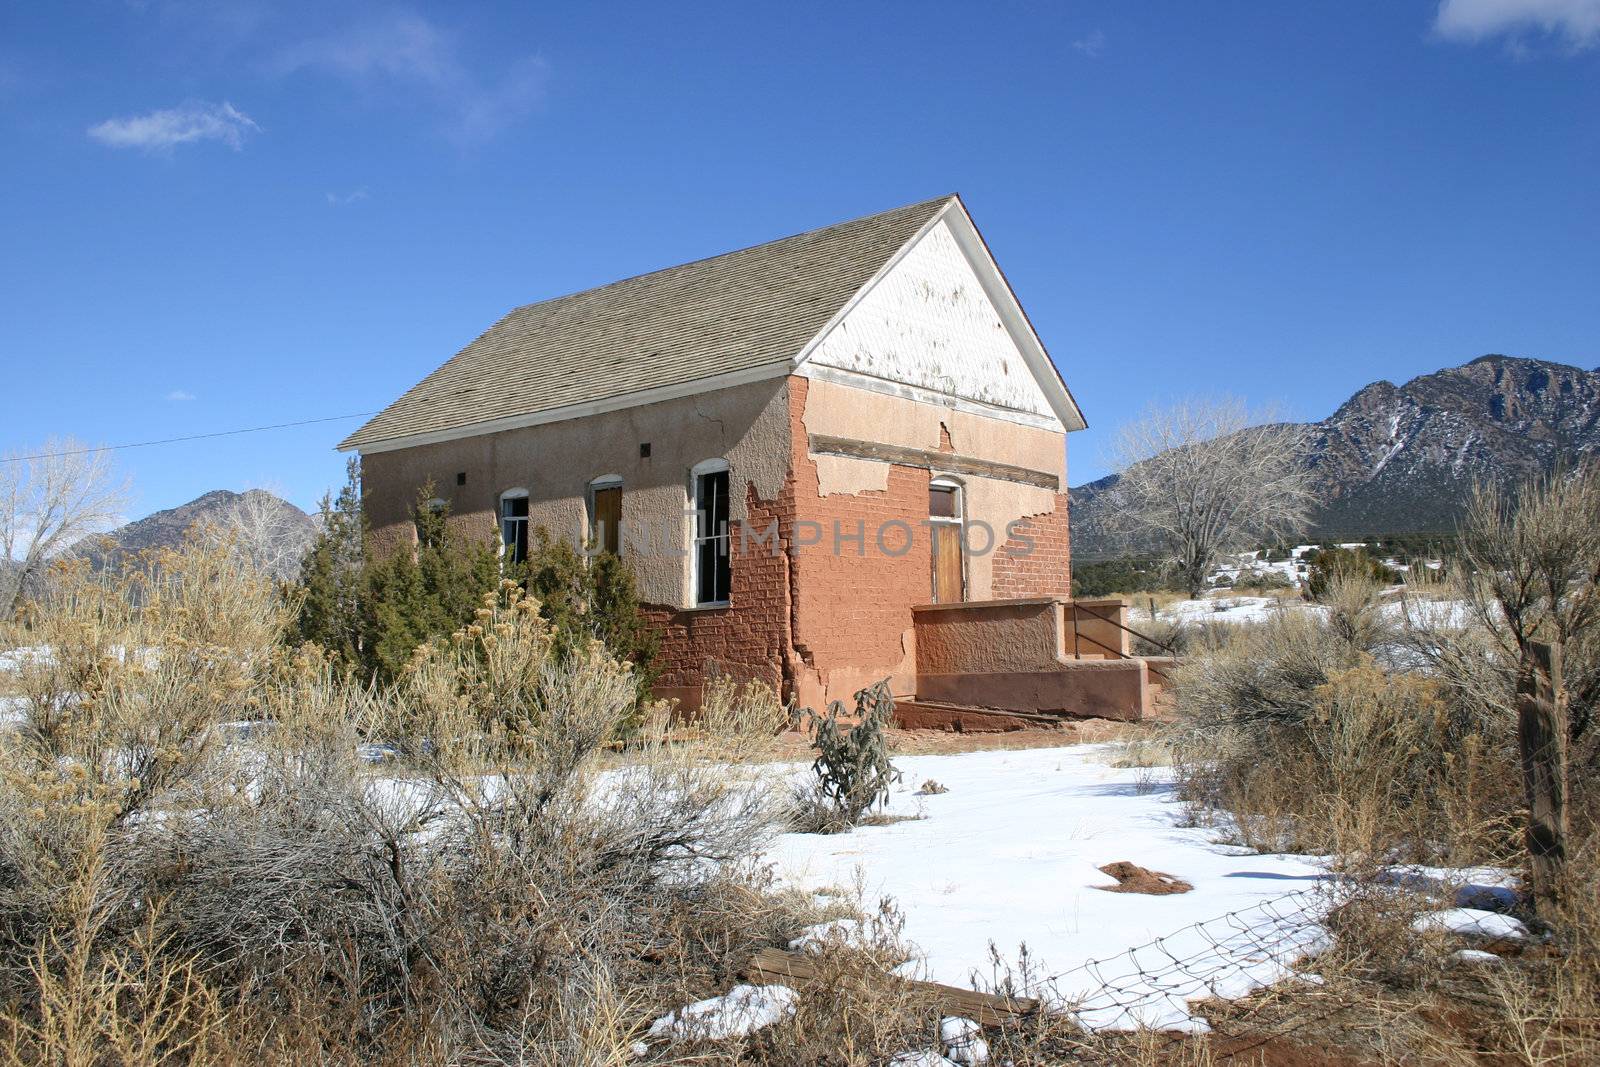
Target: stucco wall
1016,635
1039,633
747,425
1102,689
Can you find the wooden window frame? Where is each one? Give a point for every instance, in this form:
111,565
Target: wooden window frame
526,519
702,470
959,521
605,481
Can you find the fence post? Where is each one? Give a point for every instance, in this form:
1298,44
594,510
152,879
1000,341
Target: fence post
1542,739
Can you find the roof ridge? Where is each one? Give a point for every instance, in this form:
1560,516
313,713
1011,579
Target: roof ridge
814,231
729,313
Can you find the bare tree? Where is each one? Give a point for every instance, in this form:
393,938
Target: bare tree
268,531
1534,560
1535,555
51,498
1201,477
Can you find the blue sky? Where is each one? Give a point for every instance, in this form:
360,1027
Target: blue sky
229,214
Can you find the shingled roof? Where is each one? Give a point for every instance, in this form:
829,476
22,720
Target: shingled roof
742,311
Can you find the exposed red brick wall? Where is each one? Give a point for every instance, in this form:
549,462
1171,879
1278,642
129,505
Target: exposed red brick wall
1045,568
806,615
852,610
750,637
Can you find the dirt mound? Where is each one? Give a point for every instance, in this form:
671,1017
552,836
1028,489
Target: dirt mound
1132,878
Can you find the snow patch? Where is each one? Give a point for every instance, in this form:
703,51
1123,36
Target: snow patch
963,1040
1472,922
815,938
741,1011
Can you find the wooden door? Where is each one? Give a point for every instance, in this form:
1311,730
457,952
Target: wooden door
947,577
944,515
608,518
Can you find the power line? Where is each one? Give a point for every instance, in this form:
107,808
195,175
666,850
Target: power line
190,437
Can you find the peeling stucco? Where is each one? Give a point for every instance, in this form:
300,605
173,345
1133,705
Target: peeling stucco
929,323
842,411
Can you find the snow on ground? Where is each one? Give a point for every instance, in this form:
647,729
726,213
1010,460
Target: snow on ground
1010,856
742,1010
1472,922
1227,608
1483,888
14,659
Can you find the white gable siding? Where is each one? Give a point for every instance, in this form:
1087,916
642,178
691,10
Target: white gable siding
929,324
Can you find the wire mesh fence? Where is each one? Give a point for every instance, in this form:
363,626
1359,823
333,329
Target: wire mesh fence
1152,985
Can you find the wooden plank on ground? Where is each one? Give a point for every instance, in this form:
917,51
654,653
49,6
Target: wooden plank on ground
986,1009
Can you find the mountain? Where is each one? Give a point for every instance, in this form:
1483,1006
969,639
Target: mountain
268,527
1402,459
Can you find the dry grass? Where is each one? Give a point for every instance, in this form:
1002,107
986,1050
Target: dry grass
740,721
1301,733
1388,993
1145,750
170,893
1349,736
1164,600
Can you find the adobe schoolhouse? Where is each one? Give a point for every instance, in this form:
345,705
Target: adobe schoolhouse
829,459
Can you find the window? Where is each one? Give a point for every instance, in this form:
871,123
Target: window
514,525
605,514
431,520
944,516
711,555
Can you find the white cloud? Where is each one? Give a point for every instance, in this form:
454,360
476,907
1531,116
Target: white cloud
341,199
405,50
161,130
1091,44
1575,22
400,45
178,396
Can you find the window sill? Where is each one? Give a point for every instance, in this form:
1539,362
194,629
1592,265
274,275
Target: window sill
716,605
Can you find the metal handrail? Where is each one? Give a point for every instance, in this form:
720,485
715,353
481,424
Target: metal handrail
1076,607
1077,636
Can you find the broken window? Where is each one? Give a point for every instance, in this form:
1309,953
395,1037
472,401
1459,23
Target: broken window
713,570
514,525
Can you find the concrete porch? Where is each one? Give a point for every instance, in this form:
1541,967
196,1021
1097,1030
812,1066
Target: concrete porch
1031,660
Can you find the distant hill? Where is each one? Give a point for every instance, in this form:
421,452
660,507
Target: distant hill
1401,459
273,530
